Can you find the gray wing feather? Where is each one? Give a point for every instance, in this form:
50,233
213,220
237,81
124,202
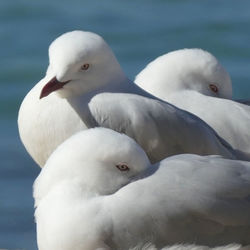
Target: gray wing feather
160,128
191,199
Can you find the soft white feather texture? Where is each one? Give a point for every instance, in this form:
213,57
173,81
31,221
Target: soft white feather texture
83,201
103,96
182,78
185,69
45,123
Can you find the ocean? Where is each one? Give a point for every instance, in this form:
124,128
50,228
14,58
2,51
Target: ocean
138,31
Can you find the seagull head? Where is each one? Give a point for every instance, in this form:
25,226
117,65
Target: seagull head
80,62
99,160
185,69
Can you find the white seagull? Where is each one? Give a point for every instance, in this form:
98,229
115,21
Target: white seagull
85,72
186,69
98,190
191,79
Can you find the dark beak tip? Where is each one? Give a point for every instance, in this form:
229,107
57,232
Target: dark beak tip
51,86
42,95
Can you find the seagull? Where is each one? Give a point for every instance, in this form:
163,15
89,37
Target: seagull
84,71
204,74
98,190
85,74
193,80
186,69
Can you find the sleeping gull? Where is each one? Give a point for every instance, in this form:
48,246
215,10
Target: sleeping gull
98,190
85,72
191,79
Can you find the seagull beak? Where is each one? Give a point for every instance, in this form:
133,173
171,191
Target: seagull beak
51,86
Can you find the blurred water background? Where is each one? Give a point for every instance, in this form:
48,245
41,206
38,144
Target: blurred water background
137,30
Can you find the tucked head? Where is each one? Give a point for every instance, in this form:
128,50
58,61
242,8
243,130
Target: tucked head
186,69
100,160
80,62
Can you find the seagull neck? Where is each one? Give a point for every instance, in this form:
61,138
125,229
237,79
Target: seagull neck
80,103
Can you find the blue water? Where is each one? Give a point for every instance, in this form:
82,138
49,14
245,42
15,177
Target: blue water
137,31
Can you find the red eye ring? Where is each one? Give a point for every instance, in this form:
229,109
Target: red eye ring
85,66
213,87
122,167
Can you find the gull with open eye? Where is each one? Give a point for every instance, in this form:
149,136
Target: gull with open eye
69,192
84,72
107,195
185,70
192,79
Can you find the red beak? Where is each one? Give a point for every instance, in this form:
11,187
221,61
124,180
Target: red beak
51,86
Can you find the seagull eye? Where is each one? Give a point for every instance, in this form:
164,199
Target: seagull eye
85,66
122,167
214,88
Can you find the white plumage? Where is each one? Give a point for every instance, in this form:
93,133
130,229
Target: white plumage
185,69
99,191
45,123
191,79
84,70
